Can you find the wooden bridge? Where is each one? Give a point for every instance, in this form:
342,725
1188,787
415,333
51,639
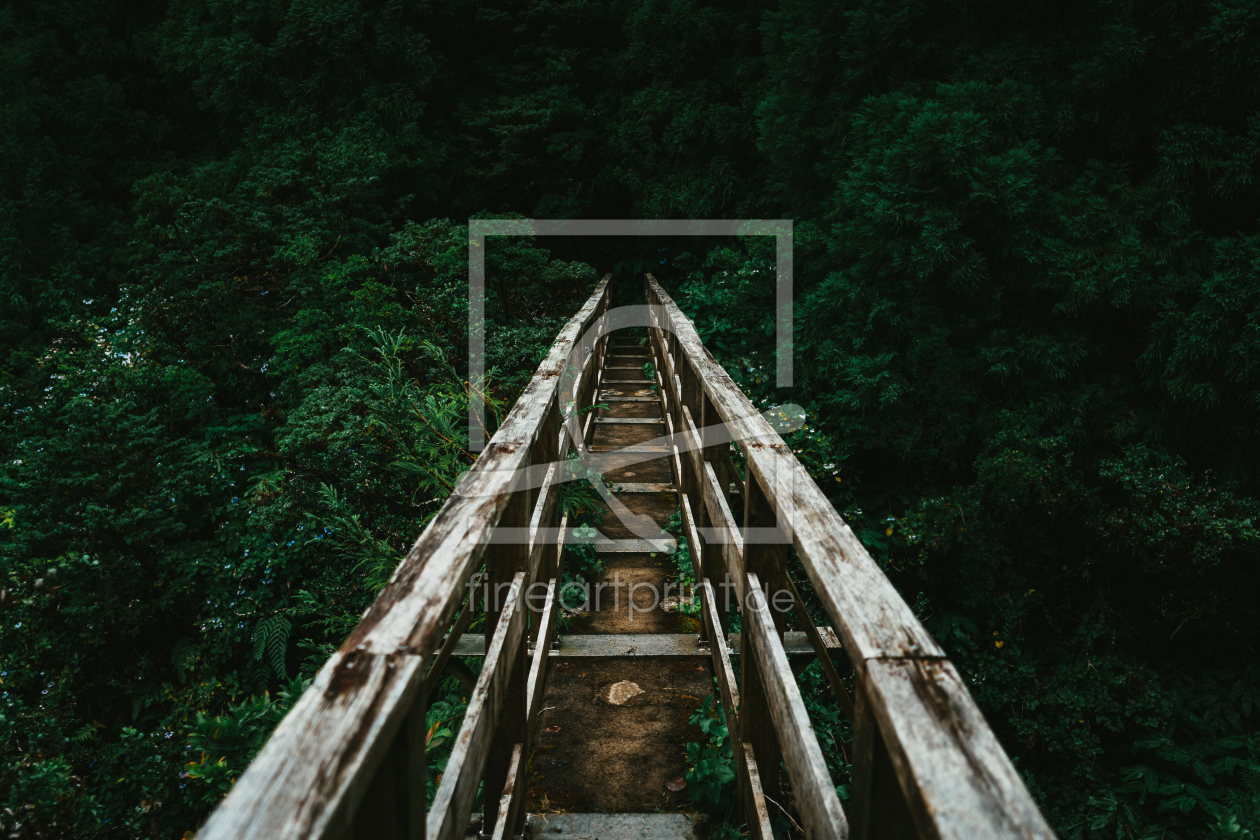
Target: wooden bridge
348,761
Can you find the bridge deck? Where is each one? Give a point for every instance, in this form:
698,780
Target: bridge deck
595,719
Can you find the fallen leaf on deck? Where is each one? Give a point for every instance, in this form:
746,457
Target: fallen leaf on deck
677,784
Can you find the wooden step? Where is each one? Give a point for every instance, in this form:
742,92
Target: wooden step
629,399
641,487
650,450
560,826
636,421
796,642
658,546
614,826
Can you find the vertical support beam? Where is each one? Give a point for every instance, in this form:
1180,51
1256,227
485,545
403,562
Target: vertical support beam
768,561
602,324
417,785
697,560
757,814
718,454
393,805
713,561
546,450
879,809
503,562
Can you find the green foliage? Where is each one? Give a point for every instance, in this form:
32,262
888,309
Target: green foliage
232,388
711,764
689,601
181,537
444,717
271,638
582,565
227,743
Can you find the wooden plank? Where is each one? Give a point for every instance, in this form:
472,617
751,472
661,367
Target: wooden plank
461,672
631,421
542,646
413,610
642,487
757,725
634,449
676,463
768,561
389,808
721,656
630,546
820,647
728,475
557,570
693,539
638,644
870,616
691,440
955,776
544,515
311,775
730,542
542,456
877,807
448,645
814,792
630,399
510,799
758,815
453,803
717,445
552,449
505,564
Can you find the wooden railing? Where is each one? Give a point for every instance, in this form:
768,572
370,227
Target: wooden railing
925,763
348,760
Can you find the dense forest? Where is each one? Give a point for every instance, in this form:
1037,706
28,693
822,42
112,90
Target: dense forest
233,327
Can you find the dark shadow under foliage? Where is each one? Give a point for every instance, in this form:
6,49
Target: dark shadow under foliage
233,267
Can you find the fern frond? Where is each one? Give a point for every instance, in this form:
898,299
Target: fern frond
271,640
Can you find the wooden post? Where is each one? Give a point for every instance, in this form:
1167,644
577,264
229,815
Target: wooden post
714,563
503,561
392,807
768,561
546,450
878,809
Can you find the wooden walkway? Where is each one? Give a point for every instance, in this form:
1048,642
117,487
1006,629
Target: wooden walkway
593,719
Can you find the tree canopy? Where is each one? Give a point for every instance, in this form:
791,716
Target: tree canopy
233,319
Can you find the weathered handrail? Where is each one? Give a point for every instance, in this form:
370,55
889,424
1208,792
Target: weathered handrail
926,763
348,759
